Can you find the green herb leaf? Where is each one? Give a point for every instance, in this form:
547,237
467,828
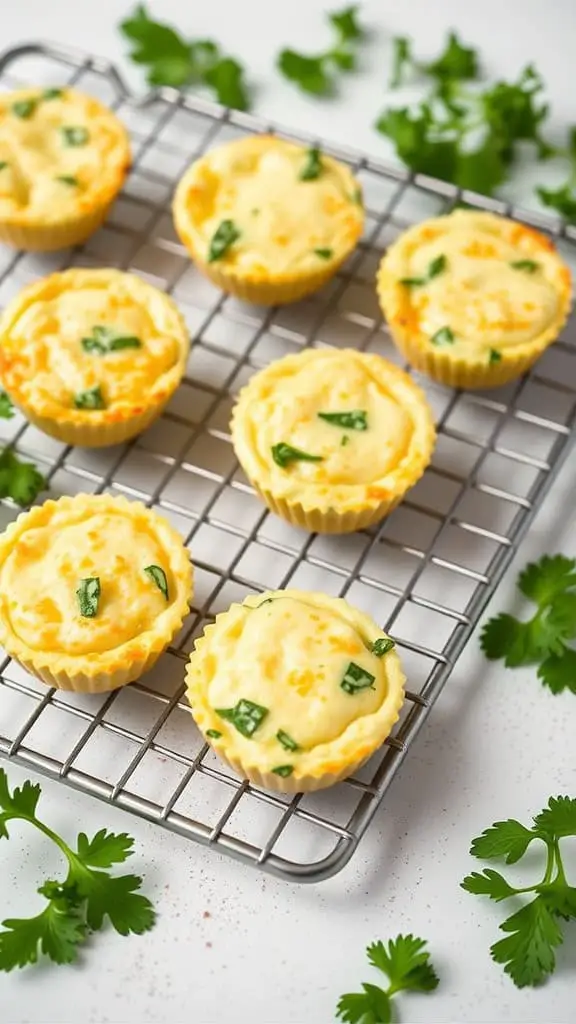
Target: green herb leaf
90,399
283,454
401,60
6,407
24,108
309,73
456,63
3,164
488,883
106,339
528,265
19,480
74,135
507,840
286,741
246,716
324,254
494,356
372,1006
174,61
356,679
405,961
158,576
563,200
312,168
56,932
105,848
223,238
345,440
213,734
283,770
511,112
445,336
382,645
435,267
67,179
528,950
543,580
558,671
88,595
346,23
357,419
52,94
558,819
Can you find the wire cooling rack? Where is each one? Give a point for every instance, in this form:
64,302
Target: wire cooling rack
425,574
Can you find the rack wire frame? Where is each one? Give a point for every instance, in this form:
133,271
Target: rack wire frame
447,546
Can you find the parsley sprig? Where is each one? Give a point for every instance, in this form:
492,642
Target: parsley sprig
19,480
316,73
78,905
533,932
173,60
550,584
406,963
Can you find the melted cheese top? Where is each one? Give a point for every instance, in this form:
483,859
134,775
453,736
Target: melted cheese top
59,155
255,182
487,302
282,404
44,362
289,652
60,544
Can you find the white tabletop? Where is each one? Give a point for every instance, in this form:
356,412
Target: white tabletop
230,943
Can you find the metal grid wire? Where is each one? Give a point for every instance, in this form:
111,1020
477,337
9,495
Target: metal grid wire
425,574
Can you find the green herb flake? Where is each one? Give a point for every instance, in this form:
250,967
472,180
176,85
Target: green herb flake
67,179
245,716
106,339
413,282
324,254
213,734
223,238
357,419
6,407
286,741
19,480
74,135
3,164
24,108
88,595
52,94
283,454
530,266
357,196
445,336
381,646
436,266
494,356
283,770
90,399
356,679
345,440
312,168
157,574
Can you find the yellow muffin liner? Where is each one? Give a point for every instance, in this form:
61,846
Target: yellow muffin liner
321,516
343,760
446,366
95,428
276,292
49,237
330,521
99,672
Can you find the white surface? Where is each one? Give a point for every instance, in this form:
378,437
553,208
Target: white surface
496,745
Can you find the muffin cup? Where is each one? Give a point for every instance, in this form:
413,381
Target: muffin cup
277,292
49,237
97,434
330,521
93,682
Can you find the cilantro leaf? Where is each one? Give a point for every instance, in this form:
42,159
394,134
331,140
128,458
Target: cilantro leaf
562,199
481,169
226,77
542,580
511,111
455,62
372,1006
308,72
23,801
401,60
104,849
558,671
177,62
559,818
346,23
19,480
560,899
504,839
528,950
56,932
6,407
115,898
519,643
406,963
315,73
488,883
